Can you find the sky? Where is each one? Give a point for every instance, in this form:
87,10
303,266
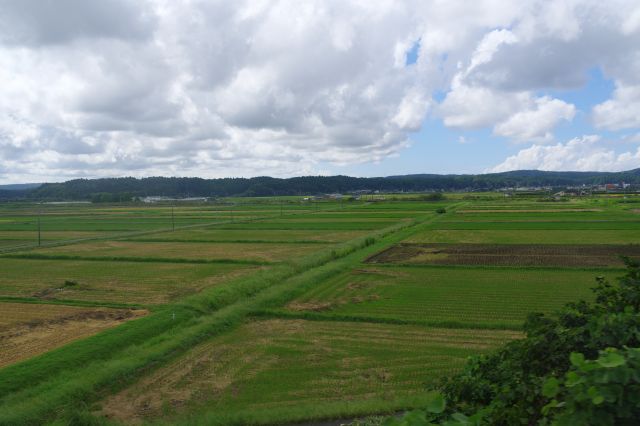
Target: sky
287,88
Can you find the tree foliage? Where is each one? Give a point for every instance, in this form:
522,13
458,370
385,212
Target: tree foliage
604,391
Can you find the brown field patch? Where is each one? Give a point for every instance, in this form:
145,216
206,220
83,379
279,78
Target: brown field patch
558,255
29,329
310,306
378,271
316,306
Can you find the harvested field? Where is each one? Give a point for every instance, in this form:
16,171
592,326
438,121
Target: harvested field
310,224
231,235
281,363
28,329
179,250
555,255
128,282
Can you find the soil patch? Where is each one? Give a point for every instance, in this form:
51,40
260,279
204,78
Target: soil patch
558,255
27,337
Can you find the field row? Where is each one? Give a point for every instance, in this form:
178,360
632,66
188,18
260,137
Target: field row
523,236
488,298
548,255
128,282
275,364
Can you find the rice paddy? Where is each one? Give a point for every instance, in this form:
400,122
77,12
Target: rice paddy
268,311
274,364
466,297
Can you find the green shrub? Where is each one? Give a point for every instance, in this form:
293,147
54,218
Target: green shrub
604,391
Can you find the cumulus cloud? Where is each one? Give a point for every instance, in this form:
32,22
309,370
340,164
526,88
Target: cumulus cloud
218,88
621,112
535,124
585,153
37,23
518,115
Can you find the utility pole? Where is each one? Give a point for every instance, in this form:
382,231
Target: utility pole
39,228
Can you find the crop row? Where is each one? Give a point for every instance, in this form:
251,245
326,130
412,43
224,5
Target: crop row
276,363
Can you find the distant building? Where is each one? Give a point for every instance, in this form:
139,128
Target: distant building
335,196
611,186
161,199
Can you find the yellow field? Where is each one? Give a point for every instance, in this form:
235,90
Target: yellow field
28,329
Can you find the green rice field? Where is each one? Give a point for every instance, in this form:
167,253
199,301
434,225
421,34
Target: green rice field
278,310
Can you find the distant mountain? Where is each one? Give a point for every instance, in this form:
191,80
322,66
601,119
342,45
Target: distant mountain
19,186
114,189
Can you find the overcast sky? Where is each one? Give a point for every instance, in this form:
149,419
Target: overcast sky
284,88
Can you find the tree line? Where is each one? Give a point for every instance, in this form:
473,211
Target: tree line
128,187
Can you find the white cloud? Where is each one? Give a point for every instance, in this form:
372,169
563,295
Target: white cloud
517,115
412,110
580,154
469,107
536,124
34,22
216,88
621,112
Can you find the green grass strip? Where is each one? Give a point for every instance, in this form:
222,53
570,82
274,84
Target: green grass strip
40,256
340,412
68,302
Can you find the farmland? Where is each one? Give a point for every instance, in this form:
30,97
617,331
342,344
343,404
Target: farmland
28,329
275,310
466,297
272,364
576,255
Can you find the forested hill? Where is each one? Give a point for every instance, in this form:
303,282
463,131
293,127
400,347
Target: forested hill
86,189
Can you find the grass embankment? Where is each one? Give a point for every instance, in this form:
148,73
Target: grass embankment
61,383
